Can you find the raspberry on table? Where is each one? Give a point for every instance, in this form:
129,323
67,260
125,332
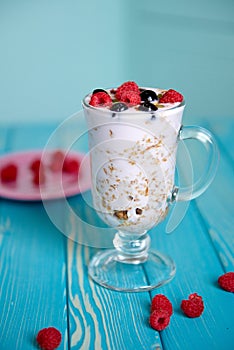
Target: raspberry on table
127,86
9,173
159,319
194,306
100,99
49,338
132,98
161,302
171,96
226,281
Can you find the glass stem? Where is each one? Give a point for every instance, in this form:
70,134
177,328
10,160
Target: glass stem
132,248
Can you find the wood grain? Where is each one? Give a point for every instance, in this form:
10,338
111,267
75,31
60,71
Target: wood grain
44,280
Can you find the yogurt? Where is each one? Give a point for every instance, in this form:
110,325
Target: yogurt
133,156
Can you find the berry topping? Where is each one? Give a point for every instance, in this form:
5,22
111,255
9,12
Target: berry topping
100,99
226,281
99,90
171,96
161,302
9,173
119,107
147,107
49,338
193,307
148,96
132,98
159,319
128,86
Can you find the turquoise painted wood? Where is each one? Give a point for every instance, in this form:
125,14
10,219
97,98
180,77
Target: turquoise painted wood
44,281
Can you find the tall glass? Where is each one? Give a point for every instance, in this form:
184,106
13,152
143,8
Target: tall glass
133,162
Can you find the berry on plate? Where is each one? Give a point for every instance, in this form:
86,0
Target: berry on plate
39,178
100,99
9,173
171,96
36,164
71,165
226,281
194,306
56,162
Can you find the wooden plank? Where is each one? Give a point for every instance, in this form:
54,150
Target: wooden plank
33,264
29,136
3,139
206,240
198,269
104,319
69,134
216,205
32,275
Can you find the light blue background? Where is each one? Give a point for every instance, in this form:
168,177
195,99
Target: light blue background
52,52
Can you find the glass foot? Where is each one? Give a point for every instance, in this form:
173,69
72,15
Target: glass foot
109,269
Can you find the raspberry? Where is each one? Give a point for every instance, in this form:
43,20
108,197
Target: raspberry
57,159
71,166
161,302
39,178
226,281
49,338
128,86
159,319
100,99
193,307
9,173
36,165
171,96
130,97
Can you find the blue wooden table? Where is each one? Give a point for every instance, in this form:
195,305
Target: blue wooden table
44,280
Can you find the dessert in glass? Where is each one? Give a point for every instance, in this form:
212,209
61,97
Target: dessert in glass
133,137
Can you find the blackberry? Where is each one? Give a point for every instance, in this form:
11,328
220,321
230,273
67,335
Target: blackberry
148,96
119,107
147,107
99,90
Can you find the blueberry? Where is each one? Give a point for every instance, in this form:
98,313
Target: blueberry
147,107
148,96
99,90
119,107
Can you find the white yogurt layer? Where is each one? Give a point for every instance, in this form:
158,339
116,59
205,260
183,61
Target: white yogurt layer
133,157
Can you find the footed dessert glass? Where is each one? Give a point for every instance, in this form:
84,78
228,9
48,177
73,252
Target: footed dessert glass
133,162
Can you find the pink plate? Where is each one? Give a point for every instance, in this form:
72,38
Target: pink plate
57,184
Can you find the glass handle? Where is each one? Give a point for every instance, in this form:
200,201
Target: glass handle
207,139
